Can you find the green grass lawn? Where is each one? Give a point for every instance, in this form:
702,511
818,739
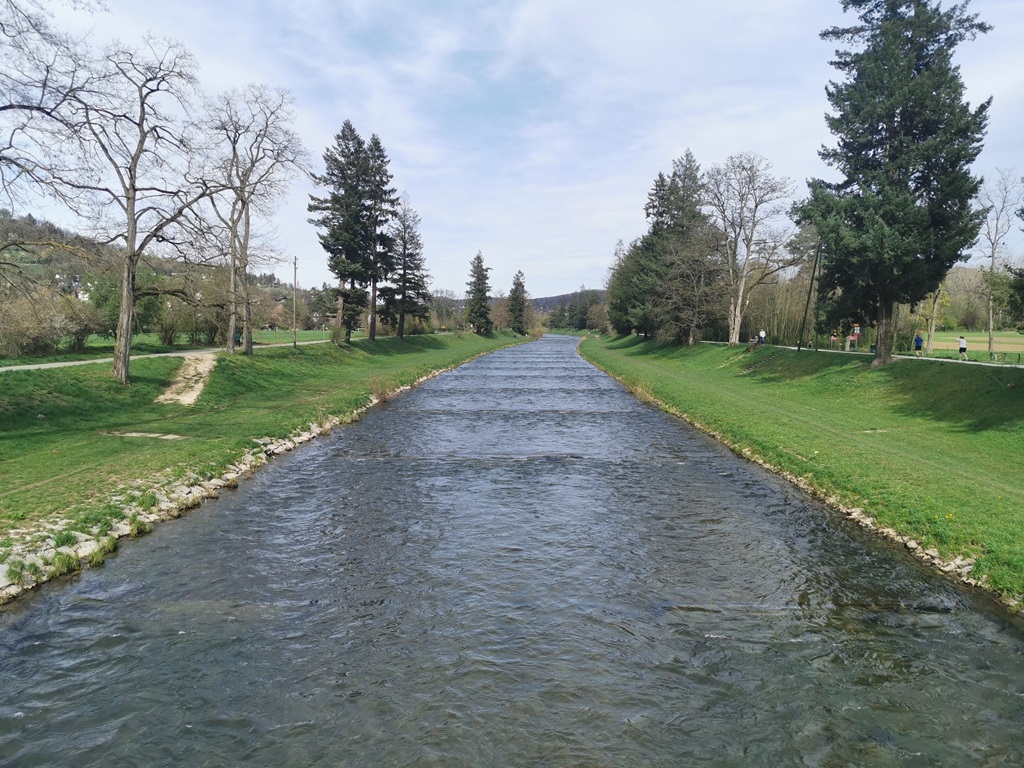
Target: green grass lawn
99,346
59,456
933,450
1009,345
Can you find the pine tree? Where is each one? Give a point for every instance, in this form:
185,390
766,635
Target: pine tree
517,303
408,295
478,313
341,215
381,208
902,214
354,216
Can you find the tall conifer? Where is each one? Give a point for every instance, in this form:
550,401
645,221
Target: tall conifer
901,216
478,312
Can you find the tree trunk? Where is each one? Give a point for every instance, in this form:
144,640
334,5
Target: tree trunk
125,321
401,325
246,318
339,317
373,308
348,326
883,337
991,326
991,303
933,319
735,318
232,312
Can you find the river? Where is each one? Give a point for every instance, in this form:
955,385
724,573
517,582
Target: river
515,564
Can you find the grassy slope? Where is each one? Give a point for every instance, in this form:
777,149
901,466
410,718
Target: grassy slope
149,343
931,449
57,453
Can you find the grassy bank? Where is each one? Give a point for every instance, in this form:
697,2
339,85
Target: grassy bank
61,454
933,450
100,346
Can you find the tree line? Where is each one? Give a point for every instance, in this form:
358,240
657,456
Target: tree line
124,140
375,251
905,210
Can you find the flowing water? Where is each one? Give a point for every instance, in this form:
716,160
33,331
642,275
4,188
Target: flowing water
514,564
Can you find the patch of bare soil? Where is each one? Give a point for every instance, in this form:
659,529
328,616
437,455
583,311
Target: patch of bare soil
191,379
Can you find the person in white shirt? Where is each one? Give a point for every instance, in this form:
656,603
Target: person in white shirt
963,347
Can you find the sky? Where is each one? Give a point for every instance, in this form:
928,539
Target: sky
532,130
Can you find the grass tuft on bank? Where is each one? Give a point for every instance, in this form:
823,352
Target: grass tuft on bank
63,453
933,450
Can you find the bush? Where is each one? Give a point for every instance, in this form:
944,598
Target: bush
39,322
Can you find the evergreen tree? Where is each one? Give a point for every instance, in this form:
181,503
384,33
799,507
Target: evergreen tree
694,293
478,313
902,215
341,215
636,297
559,317
381,208
578,313
517,304
635,277
354,216
408,294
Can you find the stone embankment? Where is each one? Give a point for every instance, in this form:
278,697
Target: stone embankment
43,553
959,568
39,554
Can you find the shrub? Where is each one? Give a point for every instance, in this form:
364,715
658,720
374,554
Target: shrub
38,322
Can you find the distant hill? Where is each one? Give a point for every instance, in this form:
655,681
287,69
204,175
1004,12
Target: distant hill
548,303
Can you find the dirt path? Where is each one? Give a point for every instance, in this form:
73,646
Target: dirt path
189,383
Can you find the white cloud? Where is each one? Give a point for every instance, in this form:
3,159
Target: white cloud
532,129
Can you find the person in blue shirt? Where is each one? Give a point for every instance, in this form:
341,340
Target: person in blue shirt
918,343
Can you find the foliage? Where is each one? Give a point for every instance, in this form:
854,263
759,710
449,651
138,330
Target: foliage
408,296
577,313
517,301
354,217
477,313
635,277
40,321
444,307
901,216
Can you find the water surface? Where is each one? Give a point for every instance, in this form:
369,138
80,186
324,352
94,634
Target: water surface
515,564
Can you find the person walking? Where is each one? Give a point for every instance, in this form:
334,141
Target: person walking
761,337
963,348
918,343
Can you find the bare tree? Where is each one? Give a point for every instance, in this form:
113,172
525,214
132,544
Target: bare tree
999,198
444,306
743,200
259,156
137,172
42,71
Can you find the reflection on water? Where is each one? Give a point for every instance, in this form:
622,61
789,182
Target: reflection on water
515,564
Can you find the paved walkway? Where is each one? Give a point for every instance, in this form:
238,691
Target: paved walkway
176,353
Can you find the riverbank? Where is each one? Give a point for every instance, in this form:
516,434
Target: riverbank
84,461
928,454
